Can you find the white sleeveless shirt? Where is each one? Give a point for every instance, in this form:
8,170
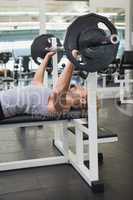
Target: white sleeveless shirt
31,100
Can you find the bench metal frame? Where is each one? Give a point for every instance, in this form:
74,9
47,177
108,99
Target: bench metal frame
41,161
77,159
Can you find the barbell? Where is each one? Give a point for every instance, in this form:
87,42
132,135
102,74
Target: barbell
97,46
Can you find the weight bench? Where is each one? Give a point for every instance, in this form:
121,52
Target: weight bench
31,121
104,136
66,158
75,119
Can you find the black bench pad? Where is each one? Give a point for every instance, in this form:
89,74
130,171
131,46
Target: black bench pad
48,117
102,133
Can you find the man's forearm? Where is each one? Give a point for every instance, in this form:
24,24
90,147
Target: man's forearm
39,75
63,82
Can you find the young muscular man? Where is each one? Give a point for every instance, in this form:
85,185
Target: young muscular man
38,100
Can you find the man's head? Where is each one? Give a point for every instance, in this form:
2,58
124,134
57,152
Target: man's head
78,97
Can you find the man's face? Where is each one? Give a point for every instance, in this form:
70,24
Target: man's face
79,97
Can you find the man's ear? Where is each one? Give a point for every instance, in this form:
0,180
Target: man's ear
72,86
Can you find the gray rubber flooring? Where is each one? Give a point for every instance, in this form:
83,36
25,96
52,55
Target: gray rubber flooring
63,182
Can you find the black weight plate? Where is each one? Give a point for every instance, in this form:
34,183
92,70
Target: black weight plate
96,55
100,58
92,37
39,45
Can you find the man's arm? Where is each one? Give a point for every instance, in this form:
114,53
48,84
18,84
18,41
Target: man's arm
63,83
39,75
61,88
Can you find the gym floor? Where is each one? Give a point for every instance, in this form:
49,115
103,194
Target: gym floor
63,182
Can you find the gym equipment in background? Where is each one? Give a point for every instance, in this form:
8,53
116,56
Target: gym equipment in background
23,72
106,77
4,57
6,76
25,63
125,78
